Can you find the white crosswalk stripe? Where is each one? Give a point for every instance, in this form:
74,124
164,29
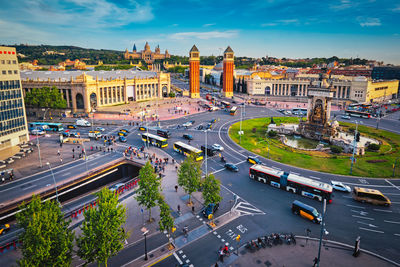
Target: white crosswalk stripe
245,208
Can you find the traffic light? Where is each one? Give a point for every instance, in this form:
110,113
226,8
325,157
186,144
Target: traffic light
357,137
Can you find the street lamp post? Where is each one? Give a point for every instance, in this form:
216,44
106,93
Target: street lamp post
38,145
394,166
354,148
84,151
322,232
145,231
54,179
206,150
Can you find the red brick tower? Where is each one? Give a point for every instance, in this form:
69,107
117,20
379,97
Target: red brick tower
194,72
229,66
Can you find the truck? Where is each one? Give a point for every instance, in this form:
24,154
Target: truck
95,134
82,122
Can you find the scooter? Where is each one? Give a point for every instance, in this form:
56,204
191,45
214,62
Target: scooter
223,160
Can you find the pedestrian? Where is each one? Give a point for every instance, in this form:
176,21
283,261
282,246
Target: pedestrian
73,150
216,264
179,208
73,156
315,261
176,188
221,254
58,152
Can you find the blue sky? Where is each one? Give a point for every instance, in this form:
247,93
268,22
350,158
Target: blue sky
278,28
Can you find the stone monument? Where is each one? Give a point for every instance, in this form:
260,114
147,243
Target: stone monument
318,126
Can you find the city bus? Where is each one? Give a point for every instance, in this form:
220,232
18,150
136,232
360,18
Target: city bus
299,111
154,140
356,113
226,105
233,111
188,150
290,182
47,126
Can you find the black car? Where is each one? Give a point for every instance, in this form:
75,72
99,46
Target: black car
253,160
231,167
200,127
188,136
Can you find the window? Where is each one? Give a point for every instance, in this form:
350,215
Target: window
3,62
14,62
4,72
15,72
9,72
8,61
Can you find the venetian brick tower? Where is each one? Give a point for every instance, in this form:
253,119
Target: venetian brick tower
194,72
229,65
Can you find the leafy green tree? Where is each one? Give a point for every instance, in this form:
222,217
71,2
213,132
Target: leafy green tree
166,221
45,97
189,176
148,192
46,238
171,94
211,190
103,234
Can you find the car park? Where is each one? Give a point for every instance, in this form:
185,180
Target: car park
339,186
231,167
217,147
142,128
345,117
210,209
306,211
71,126
253,160
122,139
101,129
187,137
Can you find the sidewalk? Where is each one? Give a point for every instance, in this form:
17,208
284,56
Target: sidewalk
302,254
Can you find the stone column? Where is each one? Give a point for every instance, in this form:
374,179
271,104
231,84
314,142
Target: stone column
298,89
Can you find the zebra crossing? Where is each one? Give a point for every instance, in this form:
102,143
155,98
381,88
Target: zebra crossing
243,208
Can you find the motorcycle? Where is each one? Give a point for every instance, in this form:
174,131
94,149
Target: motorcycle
223,160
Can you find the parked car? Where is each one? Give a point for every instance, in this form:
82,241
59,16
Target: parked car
187,136
37,132
231,167
253,160
217,147
339,186
122,139
71,126
345,117
101,129
210,209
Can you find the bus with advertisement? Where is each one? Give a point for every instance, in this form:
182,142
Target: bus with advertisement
46,126
188,150
155,140
290,182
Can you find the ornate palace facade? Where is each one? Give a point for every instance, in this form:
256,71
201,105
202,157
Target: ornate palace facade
147,55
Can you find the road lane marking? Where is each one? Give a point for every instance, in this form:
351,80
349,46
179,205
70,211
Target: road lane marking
26,188
363,213
395,186
391,222
355,206
370,225
347,196
313,177
383,210
177,258
397,234
371,230
365,218
64,174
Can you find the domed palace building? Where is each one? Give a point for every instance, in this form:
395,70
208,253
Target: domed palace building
147,55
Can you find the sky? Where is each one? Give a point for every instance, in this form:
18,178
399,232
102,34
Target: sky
255,28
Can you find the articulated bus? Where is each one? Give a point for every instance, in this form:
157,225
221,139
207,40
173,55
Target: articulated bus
233,111
188,150
226,105
46,126
356,113
154,140
291,182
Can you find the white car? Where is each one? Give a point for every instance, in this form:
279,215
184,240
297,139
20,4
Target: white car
339,186
187,124
37,132
217,147
101,129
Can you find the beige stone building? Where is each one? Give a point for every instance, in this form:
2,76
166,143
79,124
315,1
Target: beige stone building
13,126
147,55
86,90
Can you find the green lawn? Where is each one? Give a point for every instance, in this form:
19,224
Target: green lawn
372,164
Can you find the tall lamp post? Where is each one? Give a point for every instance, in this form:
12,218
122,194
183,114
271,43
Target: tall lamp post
354,148
54,179
145,232
323,230
84,151
38,145
206,150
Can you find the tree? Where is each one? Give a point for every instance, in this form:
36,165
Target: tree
189,176
46,238
102,232
148,192
211,190
171,94
45,97
166,221
336,149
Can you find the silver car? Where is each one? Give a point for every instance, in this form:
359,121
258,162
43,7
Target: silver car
339,186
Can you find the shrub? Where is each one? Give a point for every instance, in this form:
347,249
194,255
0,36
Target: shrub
171,94
336,149
352,129
374,147
254,130
272,133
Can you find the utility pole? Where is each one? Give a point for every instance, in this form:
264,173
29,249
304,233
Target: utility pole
206,150
354,148
38,145
322,232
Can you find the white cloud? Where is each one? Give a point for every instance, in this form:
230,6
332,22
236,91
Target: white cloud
208,24
369,22
204,35
281,22
396,9
268,24
343,4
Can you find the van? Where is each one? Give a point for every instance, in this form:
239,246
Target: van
210,151
94,134
82,122
372,196
306,211
163,133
